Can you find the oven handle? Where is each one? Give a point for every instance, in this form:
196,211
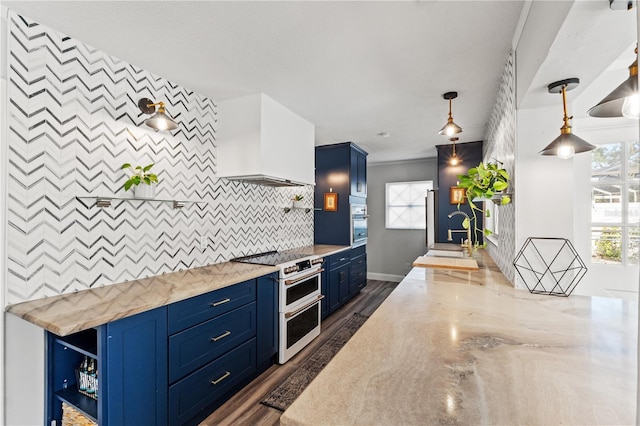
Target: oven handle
297,280
297,311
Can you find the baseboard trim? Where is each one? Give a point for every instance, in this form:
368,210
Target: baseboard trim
384,277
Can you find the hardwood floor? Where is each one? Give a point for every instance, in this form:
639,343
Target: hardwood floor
245,408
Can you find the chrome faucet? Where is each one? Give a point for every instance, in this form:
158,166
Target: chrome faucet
467,243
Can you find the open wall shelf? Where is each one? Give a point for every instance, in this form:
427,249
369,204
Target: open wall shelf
106,201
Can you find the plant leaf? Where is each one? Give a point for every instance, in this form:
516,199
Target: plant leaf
505,200
487,232
500,185
487,213
147,168
125,166
127,185
466,223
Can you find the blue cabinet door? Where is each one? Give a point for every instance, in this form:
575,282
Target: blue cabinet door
344,281
267,331
324,289
134,371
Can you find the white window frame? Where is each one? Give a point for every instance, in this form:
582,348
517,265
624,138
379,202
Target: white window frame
420,207
625,224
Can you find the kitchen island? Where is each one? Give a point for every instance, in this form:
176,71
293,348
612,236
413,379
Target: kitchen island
459,347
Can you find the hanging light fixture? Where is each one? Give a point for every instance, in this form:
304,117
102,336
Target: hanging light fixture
623,100
158,121
567,144
450,128
454,160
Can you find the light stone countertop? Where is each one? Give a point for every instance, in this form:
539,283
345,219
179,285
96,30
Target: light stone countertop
69,313
464,347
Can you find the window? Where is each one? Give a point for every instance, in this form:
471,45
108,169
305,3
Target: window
405,204
615,203
492,219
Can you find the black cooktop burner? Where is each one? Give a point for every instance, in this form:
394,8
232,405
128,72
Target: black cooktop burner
274,258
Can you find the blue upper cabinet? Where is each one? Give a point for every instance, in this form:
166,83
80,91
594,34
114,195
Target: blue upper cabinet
340,169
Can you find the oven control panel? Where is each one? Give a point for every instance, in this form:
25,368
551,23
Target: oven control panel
303,265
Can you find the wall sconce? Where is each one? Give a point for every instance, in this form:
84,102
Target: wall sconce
623,100
450,128
567,144
160,120
454,160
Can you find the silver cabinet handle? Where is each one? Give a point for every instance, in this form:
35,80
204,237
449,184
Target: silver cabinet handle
224,376
223,301
223,335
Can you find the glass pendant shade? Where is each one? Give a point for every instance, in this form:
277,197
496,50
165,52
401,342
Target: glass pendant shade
161,121
566,145
623,100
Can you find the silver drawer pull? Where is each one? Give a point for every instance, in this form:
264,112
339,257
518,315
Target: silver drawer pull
224,376
225,334
221,302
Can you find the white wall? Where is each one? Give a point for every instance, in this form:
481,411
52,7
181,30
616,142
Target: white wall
545,189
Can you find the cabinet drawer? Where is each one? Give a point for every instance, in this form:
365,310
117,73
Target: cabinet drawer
201,308
359,274
196,346
358,251
359,262
197,391
339,259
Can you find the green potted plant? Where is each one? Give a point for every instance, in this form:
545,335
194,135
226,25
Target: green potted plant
297,201
487,181
142,181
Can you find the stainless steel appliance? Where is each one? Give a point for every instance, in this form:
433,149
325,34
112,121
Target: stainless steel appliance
299,297
359,229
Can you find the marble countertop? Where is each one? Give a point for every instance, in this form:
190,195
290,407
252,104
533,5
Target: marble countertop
70,313
464,347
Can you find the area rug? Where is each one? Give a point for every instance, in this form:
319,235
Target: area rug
283,395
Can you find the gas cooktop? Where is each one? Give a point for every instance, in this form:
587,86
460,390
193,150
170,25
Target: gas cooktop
275,258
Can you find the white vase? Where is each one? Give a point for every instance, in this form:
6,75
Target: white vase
298,204
145,191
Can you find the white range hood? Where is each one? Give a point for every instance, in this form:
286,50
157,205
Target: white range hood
262,142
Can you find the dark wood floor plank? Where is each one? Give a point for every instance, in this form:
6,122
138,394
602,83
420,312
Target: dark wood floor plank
245,408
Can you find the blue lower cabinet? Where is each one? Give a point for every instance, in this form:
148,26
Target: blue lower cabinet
190,399
267,332
134,370
171,365
194,347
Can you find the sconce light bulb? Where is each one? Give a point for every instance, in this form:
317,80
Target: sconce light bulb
565,152
631,106
162,124
453,161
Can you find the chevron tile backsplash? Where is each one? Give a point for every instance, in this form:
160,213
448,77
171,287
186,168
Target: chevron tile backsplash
500,144
73,121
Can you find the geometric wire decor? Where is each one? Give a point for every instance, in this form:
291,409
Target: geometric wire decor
549,266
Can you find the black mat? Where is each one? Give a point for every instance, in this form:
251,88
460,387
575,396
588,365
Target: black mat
283,395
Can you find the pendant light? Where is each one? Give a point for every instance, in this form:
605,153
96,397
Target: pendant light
158,121
623,100
450,128
454,160
567,144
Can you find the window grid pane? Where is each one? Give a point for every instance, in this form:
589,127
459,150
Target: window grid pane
405,204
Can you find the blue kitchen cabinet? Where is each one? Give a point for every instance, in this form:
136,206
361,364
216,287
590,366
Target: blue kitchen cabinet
171,365
131,356
338,279
341,169
358,274
267,333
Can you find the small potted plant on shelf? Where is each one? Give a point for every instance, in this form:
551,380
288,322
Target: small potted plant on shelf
142,181
486,182
297,201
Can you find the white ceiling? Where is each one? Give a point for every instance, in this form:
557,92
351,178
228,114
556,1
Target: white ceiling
354,69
